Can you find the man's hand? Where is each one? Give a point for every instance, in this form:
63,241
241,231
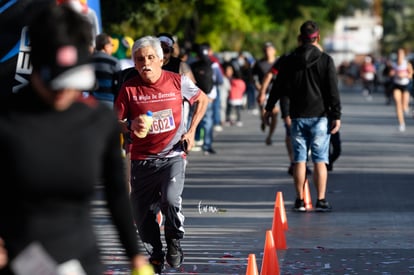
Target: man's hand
267,116
335,125
188,139
261,98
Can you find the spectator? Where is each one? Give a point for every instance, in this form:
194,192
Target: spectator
57,146
308,78
172,63
247,75
158,160
206,74
235,98
218,82
263,74
175,64
387,81
367,74
107,70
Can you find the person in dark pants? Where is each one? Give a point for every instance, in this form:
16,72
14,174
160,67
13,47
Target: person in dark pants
158,160
335,150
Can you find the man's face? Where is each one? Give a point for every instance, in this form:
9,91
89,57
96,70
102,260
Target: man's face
270,51
167,52
148,64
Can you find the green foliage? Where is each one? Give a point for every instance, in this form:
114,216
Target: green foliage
239,24
398,22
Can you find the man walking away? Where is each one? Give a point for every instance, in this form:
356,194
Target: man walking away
308,78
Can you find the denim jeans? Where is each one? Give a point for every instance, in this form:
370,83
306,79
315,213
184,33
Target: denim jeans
207,125
217,109
251,96
310,134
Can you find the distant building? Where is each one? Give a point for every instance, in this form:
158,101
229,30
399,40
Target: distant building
353,36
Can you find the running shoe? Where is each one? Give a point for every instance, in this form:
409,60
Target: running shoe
210,151
157,262
175,254
323,206
299,206
262,126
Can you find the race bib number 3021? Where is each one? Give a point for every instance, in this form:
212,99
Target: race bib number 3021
163,121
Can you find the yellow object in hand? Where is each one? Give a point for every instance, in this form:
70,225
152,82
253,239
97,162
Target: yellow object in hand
144,270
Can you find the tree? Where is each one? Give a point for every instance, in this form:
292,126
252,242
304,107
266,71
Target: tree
398,23
226,25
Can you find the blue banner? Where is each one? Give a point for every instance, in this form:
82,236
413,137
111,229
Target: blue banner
15,15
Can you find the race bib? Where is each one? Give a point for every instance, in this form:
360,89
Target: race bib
163,121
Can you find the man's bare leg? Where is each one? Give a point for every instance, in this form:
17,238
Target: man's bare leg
299,176
320,178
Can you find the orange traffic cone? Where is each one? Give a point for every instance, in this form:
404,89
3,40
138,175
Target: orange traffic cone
278,231
160,218
280,203
270,263
251,265
306,196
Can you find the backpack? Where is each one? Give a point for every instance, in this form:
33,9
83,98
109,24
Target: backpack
203,74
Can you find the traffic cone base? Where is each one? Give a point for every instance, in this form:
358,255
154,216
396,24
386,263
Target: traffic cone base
280,203
278,231
160,218
251,265
307,196
270,263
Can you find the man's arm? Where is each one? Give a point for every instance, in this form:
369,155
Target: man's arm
274,95
263,87
185,69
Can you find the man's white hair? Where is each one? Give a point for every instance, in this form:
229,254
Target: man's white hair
148,41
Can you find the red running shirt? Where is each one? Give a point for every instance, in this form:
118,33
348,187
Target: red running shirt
165,99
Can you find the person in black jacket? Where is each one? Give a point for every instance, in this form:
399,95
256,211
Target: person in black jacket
308,78
57,146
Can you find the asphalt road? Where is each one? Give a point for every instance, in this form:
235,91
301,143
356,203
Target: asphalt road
229,201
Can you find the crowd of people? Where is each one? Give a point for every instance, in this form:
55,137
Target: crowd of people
81,108
389,77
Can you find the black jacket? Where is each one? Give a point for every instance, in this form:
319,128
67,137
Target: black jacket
308,78
53,160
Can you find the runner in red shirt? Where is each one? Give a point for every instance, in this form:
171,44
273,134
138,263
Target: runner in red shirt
158,160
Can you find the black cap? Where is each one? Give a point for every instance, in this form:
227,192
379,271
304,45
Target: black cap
166,38
309,31
60,39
